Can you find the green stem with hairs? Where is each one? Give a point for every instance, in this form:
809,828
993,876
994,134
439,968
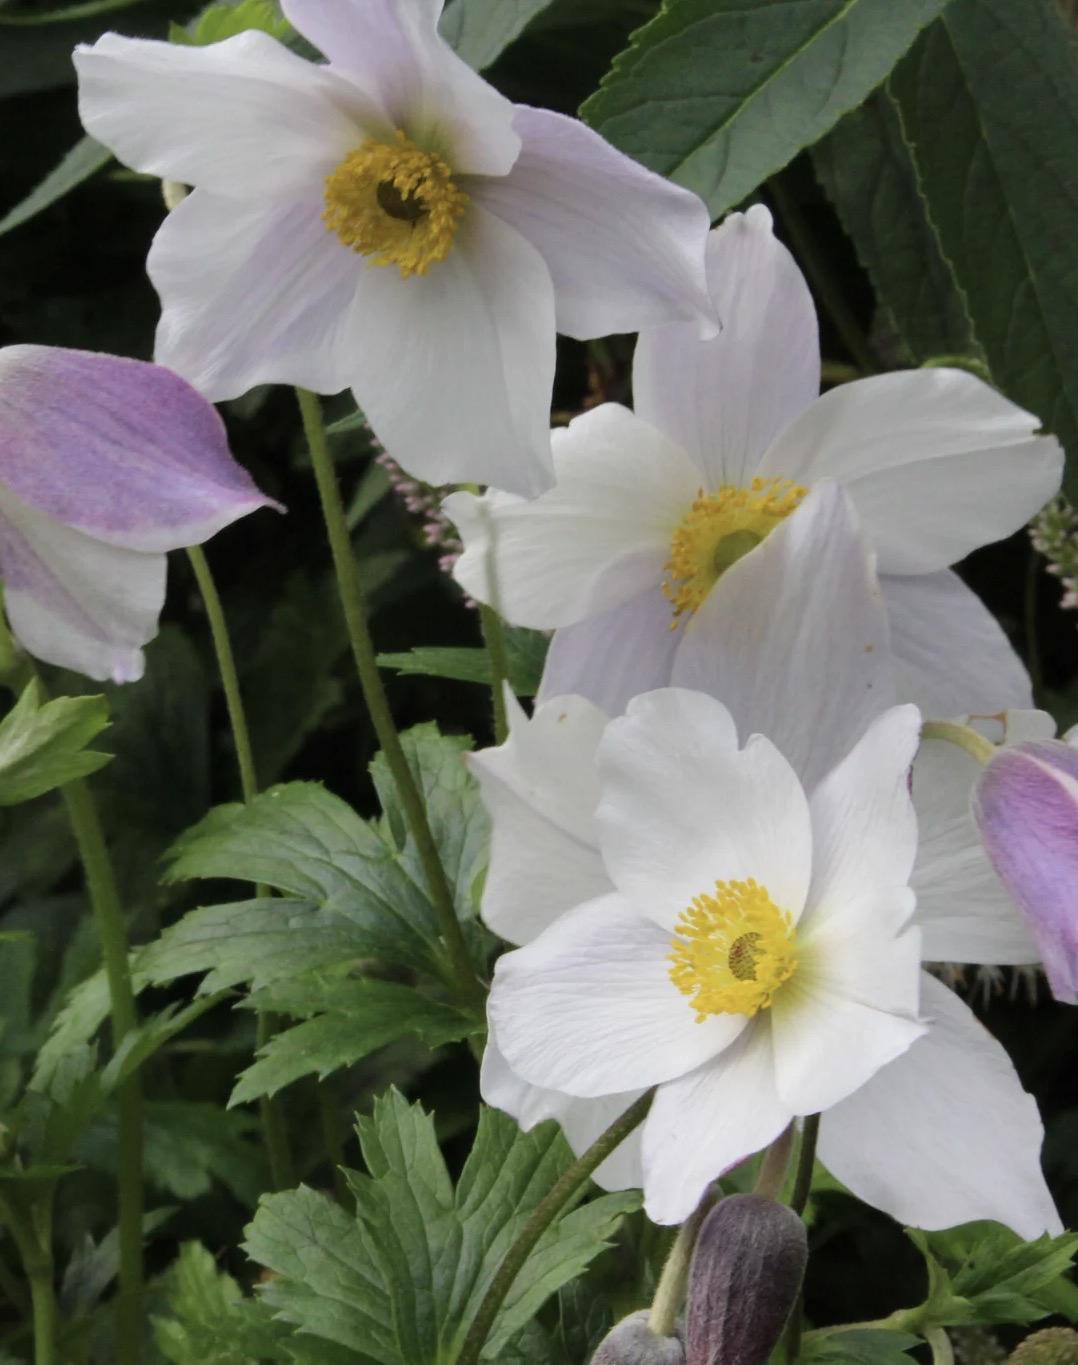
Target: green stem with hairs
806,1163
670,1291
571,1182
353,603
494,638
772,1174
275,1130
112,932
975,744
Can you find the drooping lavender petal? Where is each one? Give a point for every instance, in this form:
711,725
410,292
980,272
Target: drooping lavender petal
124,451
1026,805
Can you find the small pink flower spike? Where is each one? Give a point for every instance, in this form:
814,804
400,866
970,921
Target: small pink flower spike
1026,806
105,465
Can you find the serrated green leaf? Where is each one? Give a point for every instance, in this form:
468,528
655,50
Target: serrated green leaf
300,839
481,30
351,1018
218,22
458,819
526,651
868,173
859,1347
720,94
989,104
43,743
85,159
403,1280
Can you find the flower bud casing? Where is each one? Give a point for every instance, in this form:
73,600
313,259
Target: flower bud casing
746,1276
632,1342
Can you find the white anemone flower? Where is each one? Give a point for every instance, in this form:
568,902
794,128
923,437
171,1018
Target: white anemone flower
388,222
658,514
942,1134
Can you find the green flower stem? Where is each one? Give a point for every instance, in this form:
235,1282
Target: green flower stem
350,588
105,899
963,735
942,1351
275,1131
570,1183
821,277
32,1235
772,1173
806,1160
494,638
670,1291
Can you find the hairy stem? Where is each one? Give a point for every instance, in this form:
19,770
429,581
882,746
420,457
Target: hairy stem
670,1291
353,603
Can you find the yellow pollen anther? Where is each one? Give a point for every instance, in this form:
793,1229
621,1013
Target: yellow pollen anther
733,951
718,529
395,203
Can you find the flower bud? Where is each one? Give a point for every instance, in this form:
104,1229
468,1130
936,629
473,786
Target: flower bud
746,1275
1053,1346
1026,806
632,1342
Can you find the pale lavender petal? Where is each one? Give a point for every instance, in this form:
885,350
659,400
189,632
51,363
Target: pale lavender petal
613,657
393,52
124,451
625,247
951,655
1026,805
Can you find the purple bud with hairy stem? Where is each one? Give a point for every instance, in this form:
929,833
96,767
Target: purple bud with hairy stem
632,1342
745,1279
1026,806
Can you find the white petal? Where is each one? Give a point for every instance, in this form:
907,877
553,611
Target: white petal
589,1007
851,1006
392,50
682,807
613,657
73,600
864,831
945,1134
253,293
582,1121
244,117
625,246
454,368
704,1123
937,463
725,400
541,788
951,655
759,617
600,537
965,912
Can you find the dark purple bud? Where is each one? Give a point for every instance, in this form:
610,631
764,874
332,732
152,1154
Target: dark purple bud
632,1342
745,1278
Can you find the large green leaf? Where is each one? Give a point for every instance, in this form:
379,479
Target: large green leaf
859,1347
402,1281
481,30
720,94
43,743
525,650
83,160
867,170
989,103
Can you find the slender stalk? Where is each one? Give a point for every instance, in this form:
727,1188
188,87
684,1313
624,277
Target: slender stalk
772,1174
821,277
43,1300
806,1160
350,588
226,666
494,638
570,1183
105,899
274,1129
1033,644
331,1134
942,1351
670,1291
35,1252
964,736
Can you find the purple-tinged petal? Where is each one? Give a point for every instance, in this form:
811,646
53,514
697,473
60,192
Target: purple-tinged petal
625,247
242,117
121,450
393,52
75,601
1026,805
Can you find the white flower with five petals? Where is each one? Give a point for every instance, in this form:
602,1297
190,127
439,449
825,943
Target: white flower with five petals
659,518
390,223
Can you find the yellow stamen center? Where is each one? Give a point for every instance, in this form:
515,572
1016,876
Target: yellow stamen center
720,528
733,951
395,203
